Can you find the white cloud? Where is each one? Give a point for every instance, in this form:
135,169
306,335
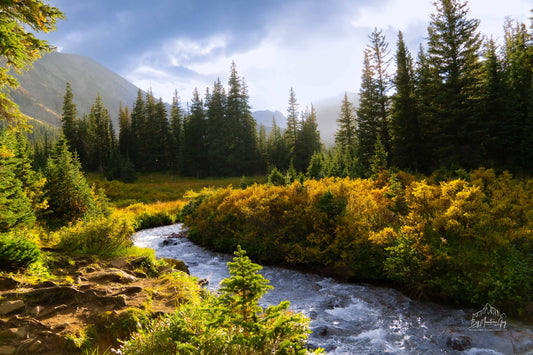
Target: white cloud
317,61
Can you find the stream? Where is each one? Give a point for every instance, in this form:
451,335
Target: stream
354,318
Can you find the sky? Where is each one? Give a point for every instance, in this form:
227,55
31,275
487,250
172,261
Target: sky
313,46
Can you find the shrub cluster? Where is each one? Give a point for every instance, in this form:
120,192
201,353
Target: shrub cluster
17,252
461,241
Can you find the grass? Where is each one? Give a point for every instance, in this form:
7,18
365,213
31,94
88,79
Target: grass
159,187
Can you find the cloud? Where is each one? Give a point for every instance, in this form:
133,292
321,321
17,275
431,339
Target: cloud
314,47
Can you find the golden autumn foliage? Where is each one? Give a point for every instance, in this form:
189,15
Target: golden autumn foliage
456,240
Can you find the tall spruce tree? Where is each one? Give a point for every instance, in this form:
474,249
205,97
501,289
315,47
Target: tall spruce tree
15,205
138,130
493,105
406,142
100,135
346,135
69,118
217,148
518,63
277,148
194,146
293,123
125,136
251,161
176,131
453,46
307,141
368,124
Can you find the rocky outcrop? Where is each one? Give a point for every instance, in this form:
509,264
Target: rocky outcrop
39,318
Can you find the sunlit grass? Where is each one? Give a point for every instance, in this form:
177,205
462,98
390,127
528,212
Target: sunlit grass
150,188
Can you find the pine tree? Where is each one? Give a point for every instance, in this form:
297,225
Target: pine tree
307,141
494,110
379,59
161,138
69,118
406,142
234,121
68,194
194,146
176,131
368,124
138,130
379,160
278,150
518,61
125,136
240,294
100,137
217,132
346,135
453,46
14,203
293,124
249,134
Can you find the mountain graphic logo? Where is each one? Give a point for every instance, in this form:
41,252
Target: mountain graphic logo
488,319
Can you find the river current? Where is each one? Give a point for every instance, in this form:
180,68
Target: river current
354,318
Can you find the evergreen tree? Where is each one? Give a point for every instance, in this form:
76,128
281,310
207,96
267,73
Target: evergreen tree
293,124
125,136
234,119
69,118
346,135
307,141
14,203
316,167
379,160
249,133
194,148
406,142
138,130
69,196
494,111
425,94
453,46
240,294
262,145
160,139
368,124
217,132
277,148
100,137
176,131
518,64
379,59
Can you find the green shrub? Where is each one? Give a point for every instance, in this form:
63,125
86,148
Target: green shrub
17,252
153,219
105,237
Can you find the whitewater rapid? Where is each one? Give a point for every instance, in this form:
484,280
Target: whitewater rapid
353,318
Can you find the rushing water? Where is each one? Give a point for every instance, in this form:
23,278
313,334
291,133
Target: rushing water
351,318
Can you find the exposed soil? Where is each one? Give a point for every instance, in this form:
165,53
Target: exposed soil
44,318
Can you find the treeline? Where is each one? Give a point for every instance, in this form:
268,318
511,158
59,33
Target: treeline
463,102
214,136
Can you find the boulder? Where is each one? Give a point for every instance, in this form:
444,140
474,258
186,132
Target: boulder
7,350
11,306
111,275
176,264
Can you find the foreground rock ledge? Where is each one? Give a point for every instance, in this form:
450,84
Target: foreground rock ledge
37,318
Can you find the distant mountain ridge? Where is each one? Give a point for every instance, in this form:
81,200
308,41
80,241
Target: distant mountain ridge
42,88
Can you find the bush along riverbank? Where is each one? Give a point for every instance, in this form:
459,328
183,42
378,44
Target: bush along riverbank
462,241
